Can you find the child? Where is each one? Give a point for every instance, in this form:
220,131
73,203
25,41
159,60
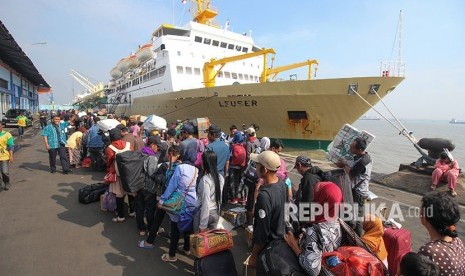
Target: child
414,264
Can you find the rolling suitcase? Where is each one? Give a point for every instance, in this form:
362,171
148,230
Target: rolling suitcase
221,263
398,243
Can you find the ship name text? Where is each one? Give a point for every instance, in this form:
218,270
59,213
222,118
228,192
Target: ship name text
238,103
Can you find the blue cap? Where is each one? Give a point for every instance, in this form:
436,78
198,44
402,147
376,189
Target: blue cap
188,128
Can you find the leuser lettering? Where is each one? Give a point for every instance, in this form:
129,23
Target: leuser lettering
238,103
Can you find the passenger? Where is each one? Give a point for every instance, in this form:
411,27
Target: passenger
439,213
311,175
182,181
269,210
7,144
373,236
252,145
55,140
265,143
446,170
171,137
146,199
360,174
208,194
277,147
190,146
73,144
219,147
237,166
232,131
116,187
95,144
174,161
414,264
329,196
136,142
22,123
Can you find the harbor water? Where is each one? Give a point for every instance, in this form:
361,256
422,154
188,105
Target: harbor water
389,149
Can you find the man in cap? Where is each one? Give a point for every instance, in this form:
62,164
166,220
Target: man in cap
310,176
252,144
190,145
219,147
269,221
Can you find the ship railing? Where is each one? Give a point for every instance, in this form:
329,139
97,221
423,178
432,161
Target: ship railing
392,69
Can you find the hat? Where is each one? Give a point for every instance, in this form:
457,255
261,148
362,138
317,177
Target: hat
188,128
213,129
250,131
268,159
154,140
303,160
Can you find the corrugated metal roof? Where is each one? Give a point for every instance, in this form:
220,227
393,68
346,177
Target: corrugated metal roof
14,56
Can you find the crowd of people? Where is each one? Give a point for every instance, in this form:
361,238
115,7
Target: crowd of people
238,168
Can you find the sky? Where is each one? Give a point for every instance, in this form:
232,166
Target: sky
349,39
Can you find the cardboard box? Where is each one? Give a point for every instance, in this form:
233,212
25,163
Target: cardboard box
236,216
202,125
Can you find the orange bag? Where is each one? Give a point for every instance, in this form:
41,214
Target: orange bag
354,260
210,242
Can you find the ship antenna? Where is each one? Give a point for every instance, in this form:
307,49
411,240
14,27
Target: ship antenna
399,53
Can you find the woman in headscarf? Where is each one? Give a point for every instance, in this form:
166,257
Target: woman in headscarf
328,196
373,237
265,143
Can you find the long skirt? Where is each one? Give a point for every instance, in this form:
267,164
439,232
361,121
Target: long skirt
74,156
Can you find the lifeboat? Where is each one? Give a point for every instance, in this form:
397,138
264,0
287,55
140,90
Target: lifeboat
123,65
133,61
144,53
115,73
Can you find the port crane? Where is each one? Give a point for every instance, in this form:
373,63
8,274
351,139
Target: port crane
273,72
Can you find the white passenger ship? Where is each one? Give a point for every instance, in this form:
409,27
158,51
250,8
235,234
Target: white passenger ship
202,70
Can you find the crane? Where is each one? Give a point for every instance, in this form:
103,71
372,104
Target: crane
209,72
273,72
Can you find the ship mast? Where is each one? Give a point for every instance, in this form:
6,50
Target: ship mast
399,53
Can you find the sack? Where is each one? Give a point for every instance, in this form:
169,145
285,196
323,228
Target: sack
107,124
186,220
154,122
210,242
131,168
87,162
221,263
91,193
176,203
198,157
239,156
109,178
108,202
354,260
398,243
118,151
277,258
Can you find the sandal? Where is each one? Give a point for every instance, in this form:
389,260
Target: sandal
141,244
166,258
186,252
453,193
118,219
433,187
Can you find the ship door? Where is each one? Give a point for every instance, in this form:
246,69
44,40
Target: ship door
298,123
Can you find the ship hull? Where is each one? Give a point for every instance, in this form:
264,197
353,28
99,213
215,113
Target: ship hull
308,112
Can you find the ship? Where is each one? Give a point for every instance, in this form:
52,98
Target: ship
369,118
203,70
455,121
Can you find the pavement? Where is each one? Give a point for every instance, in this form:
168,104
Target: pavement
46,231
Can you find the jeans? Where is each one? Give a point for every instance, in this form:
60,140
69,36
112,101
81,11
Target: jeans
145,206
52,155
174,239
5,167
96,156
21,130
360,200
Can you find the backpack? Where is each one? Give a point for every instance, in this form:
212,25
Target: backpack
131,167
238,155
277,258
118,151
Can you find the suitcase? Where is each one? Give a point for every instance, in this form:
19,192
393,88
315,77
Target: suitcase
221,263
398,243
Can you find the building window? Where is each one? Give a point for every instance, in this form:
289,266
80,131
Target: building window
223,44
180,69
198,39
215,43
3,83
189,70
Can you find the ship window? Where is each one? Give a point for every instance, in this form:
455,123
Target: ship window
215,43
246,77
238,48
227,75
241,77
245,49
297,115
189,70
179,54
207,41
161,71
198,39
197,71
220,74
234,76
223,44
180,69
230,46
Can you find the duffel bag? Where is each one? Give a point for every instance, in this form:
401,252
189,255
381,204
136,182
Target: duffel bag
278,258
91,193
210,242
131,170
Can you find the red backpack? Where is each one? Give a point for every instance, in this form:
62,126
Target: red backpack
239,155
